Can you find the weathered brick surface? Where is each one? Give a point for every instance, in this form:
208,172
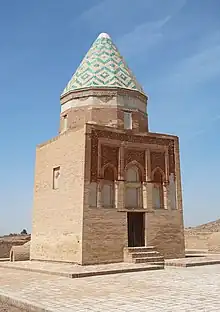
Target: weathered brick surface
105,230
20,253
104,235
65,225
65,228
57,214
165,231
158,160
106,116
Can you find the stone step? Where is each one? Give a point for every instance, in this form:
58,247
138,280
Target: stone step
145,254
141,249
152,260
157,266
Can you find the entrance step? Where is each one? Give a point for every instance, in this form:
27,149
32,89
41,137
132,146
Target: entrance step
146,254
140,249
150,260
158,266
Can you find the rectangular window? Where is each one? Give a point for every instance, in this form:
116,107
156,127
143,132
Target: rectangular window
56,177
127,120
64,122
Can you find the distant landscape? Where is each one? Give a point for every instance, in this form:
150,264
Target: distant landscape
204,236
213,226
13,239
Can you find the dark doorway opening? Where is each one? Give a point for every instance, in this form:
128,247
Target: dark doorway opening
136,229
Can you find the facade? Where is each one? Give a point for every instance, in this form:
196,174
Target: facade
105,182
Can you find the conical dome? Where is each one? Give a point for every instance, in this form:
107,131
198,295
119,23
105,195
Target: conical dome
104,67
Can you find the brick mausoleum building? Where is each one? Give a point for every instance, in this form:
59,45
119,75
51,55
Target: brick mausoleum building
105,182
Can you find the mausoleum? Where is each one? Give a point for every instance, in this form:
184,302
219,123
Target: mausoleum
106,183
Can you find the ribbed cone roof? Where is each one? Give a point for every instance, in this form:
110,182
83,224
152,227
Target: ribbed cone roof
103,66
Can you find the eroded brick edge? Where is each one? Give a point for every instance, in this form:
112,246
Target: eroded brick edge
22,304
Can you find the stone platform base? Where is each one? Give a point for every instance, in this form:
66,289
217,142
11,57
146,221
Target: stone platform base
194,260
76,271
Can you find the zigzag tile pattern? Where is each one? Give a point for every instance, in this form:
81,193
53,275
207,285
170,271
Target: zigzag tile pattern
103,66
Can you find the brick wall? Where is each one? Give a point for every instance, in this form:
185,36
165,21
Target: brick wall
57,214
104,235
165,232
106,116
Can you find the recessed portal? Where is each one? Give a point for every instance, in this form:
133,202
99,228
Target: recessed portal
135,229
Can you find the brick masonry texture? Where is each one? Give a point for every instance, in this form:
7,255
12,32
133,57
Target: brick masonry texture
105,231
104,235
20,253
57,214
106,116
66,228
165,231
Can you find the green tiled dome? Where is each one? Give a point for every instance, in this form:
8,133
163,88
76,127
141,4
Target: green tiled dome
103,66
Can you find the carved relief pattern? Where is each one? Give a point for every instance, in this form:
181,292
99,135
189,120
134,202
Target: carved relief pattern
94,157
171,158
130,138
137,155
106,99
85,98
109,155
157,160
172,192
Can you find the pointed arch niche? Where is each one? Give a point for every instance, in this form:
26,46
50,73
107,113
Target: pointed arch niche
158,188
133,185
108,186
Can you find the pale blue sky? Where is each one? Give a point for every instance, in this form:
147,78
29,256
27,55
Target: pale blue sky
172,46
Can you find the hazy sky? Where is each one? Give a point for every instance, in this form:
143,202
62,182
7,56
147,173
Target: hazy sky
172,46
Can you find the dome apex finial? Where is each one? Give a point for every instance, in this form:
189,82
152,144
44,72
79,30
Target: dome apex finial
104,35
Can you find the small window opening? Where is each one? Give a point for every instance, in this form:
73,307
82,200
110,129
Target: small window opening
64,122
56,177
